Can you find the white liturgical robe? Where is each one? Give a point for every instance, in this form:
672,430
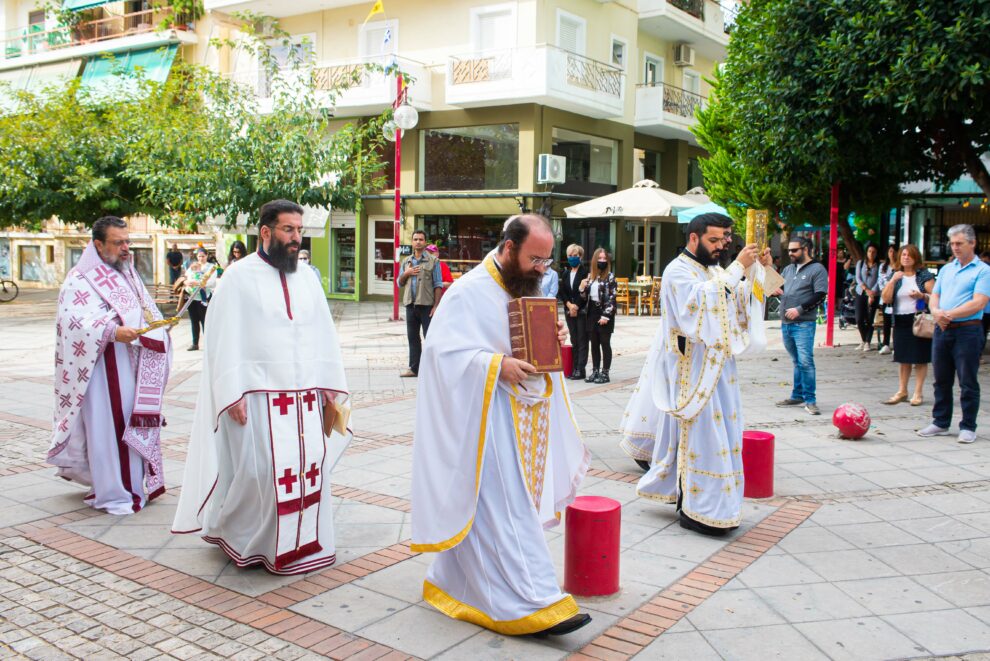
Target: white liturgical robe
685,415
492,466
261,491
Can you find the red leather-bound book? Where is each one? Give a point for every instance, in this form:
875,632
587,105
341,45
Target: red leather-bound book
533,329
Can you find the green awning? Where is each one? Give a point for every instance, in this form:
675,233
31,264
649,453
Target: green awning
115,76
79,5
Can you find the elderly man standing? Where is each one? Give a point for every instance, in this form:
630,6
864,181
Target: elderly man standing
109,379
957,303
497,455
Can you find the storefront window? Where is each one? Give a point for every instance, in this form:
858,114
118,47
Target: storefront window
144,265
470,158
592,162
694,177
4,258
73,255
463,240
30,263
382,249
342,266
589,234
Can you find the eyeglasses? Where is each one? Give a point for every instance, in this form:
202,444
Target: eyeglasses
541,261
794,249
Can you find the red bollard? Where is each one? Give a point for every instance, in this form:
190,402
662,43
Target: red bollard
757,456
567,355
591,546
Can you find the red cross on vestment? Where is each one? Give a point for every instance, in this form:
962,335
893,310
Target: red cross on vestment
283,402
312,474
309,398
287,480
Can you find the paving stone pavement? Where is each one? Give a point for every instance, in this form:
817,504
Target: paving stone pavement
876,549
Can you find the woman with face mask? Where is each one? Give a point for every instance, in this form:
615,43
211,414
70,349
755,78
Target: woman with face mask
598,289
305,260
575,309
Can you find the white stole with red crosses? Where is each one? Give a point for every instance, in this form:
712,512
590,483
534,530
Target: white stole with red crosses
298,458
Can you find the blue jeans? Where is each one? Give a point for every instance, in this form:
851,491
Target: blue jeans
799,340
956,351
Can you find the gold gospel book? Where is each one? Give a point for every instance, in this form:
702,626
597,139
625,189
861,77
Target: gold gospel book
533,331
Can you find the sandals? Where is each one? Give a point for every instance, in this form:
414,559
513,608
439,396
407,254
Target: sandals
917,401
897,398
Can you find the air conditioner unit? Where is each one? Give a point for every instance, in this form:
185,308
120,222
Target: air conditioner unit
683,55
551,169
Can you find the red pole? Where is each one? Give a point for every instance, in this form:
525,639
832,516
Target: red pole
833,245
398,205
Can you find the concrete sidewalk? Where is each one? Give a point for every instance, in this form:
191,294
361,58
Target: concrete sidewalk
874,549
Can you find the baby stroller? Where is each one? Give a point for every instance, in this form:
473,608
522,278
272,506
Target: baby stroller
847,308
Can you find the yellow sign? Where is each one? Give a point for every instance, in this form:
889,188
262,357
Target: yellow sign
378,8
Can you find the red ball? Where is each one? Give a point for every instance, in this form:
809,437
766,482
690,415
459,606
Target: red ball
852,420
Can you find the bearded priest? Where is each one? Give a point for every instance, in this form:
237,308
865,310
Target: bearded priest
256,477
685,415
497,454
109,379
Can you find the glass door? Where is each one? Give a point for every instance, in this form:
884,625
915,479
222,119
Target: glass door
381,249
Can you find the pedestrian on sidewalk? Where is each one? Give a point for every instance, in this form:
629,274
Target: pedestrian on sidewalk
805,287
867,272
575,309
598,290
174,260
888,266
200,281
907,293
961,294
422,284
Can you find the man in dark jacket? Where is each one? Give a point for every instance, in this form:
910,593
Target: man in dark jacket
575,309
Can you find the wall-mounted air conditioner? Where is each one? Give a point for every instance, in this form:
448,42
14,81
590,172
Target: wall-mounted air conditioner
551,169
683,55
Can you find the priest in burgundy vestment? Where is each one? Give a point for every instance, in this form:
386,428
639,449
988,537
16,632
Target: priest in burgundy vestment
256,477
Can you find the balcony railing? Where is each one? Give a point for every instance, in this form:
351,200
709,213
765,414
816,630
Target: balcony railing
681,102
482,69
694,7
32,40
593,75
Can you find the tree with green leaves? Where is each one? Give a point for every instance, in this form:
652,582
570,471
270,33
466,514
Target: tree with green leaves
869,95
195,147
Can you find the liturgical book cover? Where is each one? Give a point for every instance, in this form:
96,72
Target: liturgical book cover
533,330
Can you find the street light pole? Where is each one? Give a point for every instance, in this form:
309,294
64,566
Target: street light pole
396,228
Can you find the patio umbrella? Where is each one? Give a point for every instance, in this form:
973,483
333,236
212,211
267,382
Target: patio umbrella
687,215
645,200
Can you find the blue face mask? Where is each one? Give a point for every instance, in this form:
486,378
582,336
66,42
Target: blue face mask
574,261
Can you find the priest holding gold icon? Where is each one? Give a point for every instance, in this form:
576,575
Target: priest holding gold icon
685,416
497,455
270,420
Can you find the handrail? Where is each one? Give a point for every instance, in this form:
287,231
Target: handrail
24,41
678,101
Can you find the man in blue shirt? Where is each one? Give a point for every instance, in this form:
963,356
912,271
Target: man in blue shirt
422,285
550,283
961,293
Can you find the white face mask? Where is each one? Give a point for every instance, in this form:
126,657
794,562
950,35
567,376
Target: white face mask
304,260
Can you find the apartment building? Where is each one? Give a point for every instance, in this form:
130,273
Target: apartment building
611,86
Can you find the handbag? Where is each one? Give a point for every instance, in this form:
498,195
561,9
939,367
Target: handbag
924,325
878,318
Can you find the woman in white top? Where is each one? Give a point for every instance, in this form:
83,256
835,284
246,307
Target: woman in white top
907,293
200,272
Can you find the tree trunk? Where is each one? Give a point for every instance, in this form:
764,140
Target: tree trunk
854,247
976,169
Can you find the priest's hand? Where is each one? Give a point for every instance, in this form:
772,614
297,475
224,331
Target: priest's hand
747,256
561,333
238,412
766,258
515,371
125,334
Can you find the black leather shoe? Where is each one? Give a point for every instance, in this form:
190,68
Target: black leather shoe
567,626
578,375
593,378
690,524
194,347
602,377
645,465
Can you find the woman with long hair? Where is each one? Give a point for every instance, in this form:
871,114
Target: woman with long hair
907,293
237,251
867,272
599,290
200,281
888,267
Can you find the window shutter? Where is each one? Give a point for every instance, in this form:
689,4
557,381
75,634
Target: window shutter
569,35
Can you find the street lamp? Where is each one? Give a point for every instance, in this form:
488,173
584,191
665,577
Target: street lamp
404,118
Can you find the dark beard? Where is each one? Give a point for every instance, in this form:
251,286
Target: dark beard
707,259
278,255
517,282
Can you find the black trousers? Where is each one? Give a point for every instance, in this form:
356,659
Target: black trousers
197,315
888,324
578,328
864,317
417,316
956,352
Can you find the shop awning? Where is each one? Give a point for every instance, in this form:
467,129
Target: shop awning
117,76
36,79
79,5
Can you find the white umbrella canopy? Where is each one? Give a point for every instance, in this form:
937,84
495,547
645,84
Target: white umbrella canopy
644,200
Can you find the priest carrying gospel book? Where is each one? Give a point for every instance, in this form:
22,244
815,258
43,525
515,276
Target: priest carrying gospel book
497,455
684,420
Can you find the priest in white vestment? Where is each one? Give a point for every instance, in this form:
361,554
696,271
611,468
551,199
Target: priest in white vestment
685,416
257,472
109,379
497,454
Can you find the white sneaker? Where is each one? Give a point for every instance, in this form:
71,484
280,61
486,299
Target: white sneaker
966,436
884,350
861,346
867,347
933,430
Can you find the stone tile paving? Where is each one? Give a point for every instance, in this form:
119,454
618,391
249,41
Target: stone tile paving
893,564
